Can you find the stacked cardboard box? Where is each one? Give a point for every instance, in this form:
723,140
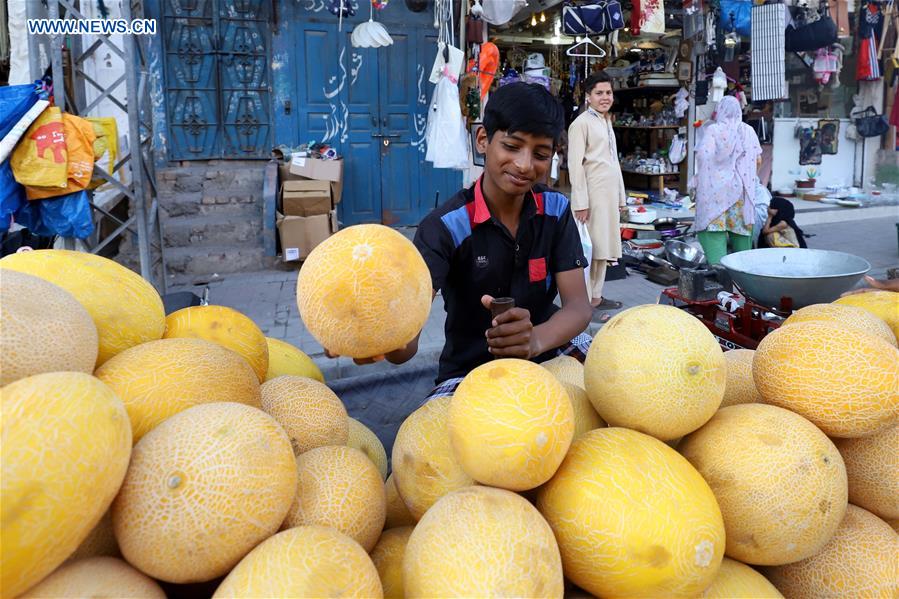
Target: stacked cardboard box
307,215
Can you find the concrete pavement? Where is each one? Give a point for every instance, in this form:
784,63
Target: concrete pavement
269,297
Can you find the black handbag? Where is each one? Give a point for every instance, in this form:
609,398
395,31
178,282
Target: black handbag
599,16
871,124
808,38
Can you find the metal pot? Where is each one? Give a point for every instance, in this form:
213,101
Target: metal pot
665,223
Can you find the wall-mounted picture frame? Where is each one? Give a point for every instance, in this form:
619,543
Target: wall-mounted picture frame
684,70
476,157
829,135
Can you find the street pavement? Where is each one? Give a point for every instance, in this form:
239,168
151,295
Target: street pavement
269,298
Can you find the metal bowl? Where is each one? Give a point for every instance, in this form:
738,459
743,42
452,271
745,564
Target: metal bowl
683,255
802,275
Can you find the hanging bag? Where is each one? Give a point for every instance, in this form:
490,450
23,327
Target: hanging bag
587,248
871,124
600,16
736,15
678,150
812,36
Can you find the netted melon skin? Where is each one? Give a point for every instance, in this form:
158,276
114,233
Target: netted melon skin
306,561
364,291
203,488
736,580
852,317
309,411
882,304
482,542
97,577
284,358
388,559
397,512
740,386
362,438
872,465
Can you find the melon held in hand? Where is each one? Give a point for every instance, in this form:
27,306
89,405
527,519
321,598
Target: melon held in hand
365,291
655,369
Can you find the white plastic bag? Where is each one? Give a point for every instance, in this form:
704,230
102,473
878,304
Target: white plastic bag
447,138
587,247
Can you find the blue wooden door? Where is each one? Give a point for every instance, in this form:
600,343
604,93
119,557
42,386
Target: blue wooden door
370,104
217,78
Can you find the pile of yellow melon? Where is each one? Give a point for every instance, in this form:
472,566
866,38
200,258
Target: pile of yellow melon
141,450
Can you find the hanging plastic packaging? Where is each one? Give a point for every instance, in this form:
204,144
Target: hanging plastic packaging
446,134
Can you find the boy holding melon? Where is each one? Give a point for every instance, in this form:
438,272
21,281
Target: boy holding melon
507,236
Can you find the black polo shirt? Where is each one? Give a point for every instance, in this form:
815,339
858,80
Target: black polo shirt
470,254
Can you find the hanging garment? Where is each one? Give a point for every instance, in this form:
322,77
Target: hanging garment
870,28
648,16
446,134
500,12
488,64
719,85
894,114
768,56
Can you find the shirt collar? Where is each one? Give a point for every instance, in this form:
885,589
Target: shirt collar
479,213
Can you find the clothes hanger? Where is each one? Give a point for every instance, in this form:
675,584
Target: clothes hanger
585,54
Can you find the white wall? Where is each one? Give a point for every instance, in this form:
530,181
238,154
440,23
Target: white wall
842,168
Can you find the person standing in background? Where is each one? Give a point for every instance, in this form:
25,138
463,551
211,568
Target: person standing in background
726,161
597,187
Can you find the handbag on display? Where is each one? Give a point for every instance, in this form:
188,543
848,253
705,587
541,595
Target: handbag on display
811,36
677,151
600,16
871,124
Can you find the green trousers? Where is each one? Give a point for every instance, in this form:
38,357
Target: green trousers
714,244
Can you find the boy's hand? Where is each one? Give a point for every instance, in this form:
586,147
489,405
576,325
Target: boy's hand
359,361
397,356
888,285
582,215
511,335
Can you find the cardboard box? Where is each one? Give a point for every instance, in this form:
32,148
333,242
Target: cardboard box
313,168
300,234
305,197
284,175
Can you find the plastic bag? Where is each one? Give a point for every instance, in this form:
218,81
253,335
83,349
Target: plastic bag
66,216
79,135
15,101
446,134
41,159
587,247
12,196
736,15
106,147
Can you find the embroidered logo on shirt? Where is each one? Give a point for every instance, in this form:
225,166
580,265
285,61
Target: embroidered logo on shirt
537,269
481,262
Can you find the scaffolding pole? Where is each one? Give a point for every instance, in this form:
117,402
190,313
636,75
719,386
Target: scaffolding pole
143,222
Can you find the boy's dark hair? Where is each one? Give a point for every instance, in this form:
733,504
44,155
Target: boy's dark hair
594,78
524,107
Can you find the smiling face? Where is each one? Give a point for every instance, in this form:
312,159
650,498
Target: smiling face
515,161
600,97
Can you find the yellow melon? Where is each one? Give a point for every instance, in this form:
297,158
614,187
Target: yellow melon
388,559
341,488
203,488
397,512
740,388
43,328
126,309
362,438
309,411
482,542
585,416
364,291
736,580
779,481
100,542
225,326
861,561
882,304
65,448
97,577
633,518
424,467
307,561
872,465
655,369
843,380
566,369
161,378
284,358
510,424
894,523
841,315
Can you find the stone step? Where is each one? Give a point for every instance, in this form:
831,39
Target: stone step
199,203
204,260
213,229
192,179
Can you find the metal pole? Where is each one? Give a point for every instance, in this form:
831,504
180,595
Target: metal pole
34,47
134,143
56,42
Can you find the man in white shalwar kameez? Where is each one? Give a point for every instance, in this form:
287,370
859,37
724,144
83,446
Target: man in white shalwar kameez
597,187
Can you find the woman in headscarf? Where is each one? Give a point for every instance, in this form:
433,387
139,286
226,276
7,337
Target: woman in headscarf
726,161
780,229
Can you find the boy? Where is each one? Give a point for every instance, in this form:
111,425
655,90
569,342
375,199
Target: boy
507,236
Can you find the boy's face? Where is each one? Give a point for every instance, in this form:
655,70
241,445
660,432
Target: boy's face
515,161
600,97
